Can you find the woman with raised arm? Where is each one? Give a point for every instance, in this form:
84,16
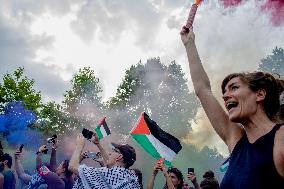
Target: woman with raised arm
249,128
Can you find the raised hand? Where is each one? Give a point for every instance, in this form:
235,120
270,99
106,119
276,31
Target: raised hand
187,36
80,140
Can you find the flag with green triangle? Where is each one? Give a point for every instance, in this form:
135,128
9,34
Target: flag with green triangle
102,129
158,143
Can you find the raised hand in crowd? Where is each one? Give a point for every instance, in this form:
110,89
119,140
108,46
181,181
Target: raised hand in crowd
95,139
192,177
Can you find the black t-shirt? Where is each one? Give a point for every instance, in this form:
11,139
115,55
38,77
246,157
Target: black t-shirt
251,166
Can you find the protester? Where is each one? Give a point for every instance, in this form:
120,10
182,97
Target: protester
8,174
192,177
57,176
116,174
185,185
51,175
174,177
209,181
1,181
249,129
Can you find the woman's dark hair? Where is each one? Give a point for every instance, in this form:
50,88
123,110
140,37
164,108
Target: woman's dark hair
68,174
179,176
208,174
261,80
209,182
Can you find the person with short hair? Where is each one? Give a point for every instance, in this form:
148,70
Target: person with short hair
209,181
9,176
174,177
116,174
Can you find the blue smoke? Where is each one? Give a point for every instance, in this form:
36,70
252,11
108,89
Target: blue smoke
15,122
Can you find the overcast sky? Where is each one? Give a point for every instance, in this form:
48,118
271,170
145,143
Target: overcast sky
52,39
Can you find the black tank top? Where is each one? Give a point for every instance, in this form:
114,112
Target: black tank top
251,166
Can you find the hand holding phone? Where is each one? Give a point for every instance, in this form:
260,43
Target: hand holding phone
87,133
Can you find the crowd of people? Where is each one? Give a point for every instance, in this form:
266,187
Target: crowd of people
251,128
113,169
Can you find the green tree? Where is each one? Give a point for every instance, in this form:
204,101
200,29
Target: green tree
273,63
159,90
83,103
17,87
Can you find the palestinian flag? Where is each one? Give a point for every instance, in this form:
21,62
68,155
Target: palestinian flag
102,129
154,140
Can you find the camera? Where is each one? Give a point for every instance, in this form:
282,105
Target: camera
87,133
52,139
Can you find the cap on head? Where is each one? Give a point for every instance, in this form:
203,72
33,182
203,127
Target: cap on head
128,153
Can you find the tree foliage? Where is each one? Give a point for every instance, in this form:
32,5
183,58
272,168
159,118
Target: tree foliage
273,63
17,87
159,90
86,89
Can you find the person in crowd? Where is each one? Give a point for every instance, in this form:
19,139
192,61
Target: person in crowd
192,177
62,172
1,181
249,128
185,185
209,181
116,174
8,174
55,177
174,177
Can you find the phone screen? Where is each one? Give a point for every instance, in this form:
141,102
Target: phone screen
21,148
190,170
87,134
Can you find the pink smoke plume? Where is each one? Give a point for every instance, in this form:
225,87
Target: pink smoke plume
275,9
231,3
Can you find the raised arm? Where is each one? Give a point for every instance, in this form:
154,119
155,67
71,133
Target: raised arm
76,156
229,132
53,162
170,184
38,156
96,141
153,177
20,170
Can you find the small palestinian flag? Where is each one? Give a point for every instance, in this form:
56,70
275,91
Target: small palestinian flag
154,140
102,129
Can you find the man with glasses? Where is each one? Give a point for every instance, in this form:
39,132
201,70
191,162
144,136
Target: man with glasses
116,173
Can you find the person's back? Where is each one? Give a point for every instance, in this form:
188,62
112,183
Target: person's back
115,177
9,179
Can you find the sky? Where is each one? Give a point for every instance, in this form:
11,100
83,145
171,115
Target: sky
53,39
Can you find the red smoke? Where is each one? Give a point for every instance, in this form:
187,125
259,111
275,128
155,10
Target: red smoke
231,3
275,9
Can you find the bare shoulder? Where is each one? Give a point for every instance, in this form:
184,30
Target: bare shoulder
278,151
